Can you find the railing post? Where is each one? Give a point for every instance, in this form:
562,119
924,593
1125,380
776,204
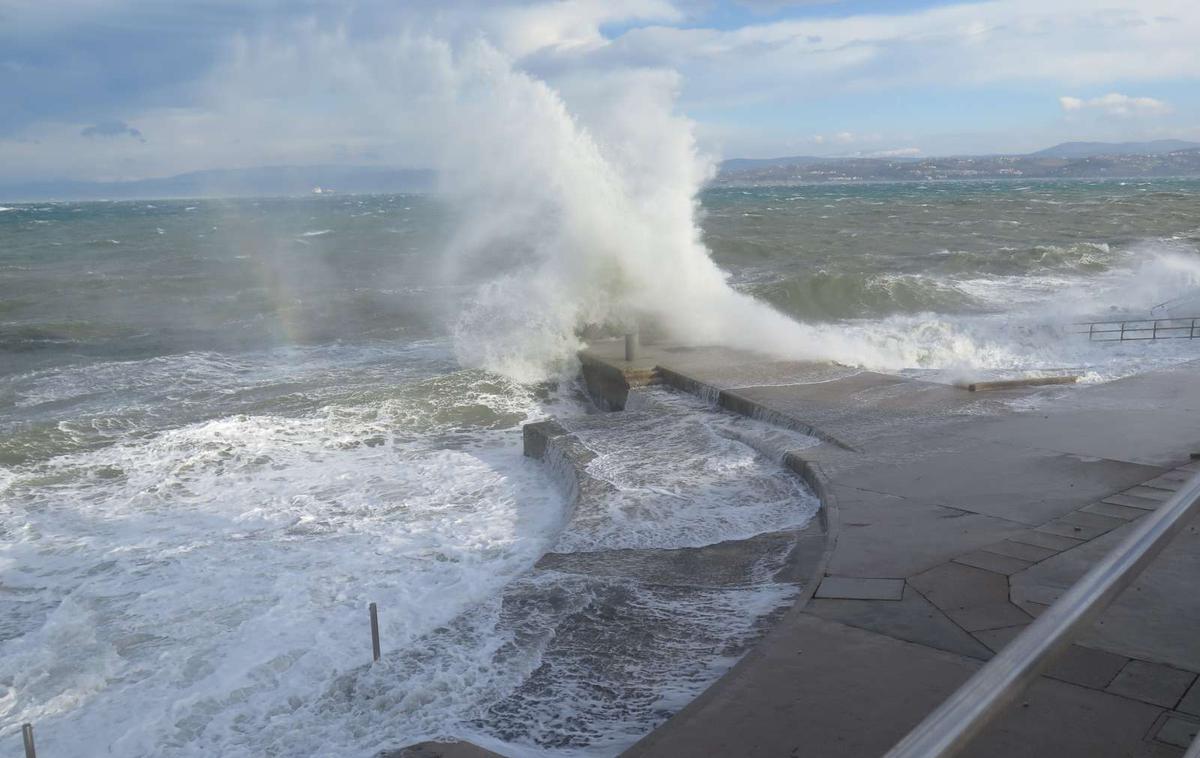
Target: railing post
374,631
27,736
1154,333
1122,332
1192,333
1092,331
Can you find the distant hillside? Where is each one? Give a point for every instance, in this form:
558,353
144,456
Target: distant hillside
1093,149
268,180
1078,160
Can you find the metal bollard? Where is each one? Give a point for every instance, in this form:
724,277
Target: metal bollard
27,735
631,346
374,631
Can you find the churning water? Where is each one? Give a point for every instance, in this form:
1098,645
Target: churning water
227,426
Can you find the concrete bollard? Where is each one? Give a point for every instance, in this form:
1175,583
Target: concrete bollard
27,735
374,631
631,346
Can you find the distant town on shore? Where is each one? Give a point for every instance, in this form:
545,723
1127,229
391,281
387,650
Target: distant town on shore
1069,160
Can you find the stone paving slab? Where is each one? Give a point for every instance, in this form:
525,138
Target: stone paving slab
1000,564
1156,618
1026,552
1122,512
886,535
913,619
1157,436
1152,683
1024,485
1042,539
1191,701
859,588
1178,730
1131,501
884,687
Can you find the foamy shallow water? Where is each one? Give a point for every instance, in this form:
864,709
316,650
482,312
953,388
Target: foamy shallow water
200,588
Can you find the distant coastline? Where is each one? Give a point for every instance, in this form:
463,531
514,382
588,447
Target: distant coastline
1086,161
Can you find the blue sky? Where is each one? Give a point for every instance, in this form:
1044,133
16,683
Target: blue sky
114,89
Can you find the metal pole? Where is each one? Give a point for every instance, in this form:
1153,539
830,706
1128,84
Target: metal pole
631,346
374,631
27,736
1194,750
974,705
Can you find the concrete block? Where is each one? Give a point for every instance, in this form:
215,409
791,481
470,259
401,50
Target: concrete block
1152,683
860,588
994,562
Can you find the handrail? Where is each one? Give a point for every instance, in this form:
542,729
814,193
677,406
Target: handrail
1159,329
974,705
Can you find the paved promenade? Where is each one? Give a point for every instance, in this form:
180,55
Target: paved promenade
954,519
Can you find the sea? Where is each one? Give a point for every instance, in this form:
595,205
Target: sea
227,426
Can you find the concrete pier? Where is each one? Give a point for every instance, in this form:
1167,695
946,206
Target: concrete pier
954,520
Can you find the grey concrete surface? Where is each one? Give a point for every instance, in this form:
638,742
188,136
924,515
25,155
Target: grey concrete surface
981,514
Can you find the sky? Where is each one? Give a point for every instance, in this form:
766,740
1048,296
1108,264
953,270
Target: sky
129,89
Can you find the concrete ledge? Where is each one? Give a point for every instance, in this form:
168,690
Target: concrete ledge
608,384
441,750
1011,384
731,400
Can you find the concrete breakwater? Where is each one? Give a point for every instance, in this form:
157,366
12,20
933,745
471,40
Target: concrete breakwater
640,604
950,520
960,517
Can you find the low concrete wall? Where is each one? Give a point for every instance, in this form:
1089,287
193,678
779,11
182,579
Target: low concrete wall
609,385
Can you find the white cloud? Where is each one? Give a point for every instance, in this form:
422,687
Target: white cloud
1116,104
314,92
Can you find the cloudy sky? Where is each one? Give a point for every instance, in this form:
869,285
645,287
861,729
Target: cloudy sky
122,89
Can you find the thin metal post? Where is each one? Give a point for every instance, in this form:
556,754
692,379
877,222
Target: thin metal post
1154,334
1091,332
966,712
1122,331
1192,334
631,346
374,631
27,736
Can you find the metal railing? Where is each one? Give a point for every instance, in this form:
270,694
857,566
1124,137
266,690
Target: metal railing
1186,328
974,705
